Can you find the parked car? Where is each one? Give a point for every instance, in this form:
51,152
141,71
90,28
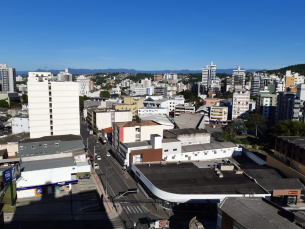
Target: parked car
91,158
84,176
108,154
98,158
96,166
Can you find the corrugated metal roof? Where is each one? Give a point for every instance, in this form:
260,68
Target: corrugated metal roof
47,164
184,121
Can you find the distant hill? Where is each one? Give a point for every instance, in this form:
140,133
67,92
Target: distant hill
93,71
300,68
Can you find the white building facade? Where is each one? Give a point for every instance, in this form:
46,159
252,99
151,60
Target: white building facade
145,111
241,99
83,85
53,108
7,78
20,124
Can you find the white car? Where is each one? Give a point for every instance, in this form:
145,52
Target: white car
108,154
98,158
96,166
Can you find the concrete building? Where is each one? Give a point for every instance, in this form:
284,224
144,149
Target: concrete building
53,108
20,124
184,109
219,114
298,113
160,91
91,85
212,101
255,85
126,132
146,83
129,103
7,78
208,76
19,78
83,85
170,76
186,121
64,76
238,79
144,111
289,80
285,104
169,104
103,118
158,77
266,105
240,106
40,76
10,143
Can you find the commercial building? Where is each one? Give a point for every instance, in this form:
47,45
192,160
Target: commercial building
238,79
129,103
219,114
254,213
53,108
10,143
7,78
240,106
83,85
141,152
20,124
266,105
46,177
103,118
169,104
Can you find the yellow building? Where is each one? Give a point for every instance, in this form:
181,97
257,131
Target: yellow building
129,103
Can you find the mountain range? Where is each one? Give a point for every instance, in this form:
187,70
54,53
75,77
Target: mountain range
111,70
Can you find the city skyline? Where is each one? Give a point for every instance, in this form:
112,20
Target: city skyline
152,35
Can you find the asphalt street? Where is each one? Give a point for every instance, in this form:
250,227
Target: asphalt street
110,170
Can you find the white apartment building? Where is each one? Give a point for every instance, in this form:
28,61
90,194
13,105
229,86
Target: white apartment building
7,78
39,76
141,91
20,124
240,107
208,77
219,114
298,79
53,108
19,78
83,85
145,111
146,83
64,76
170,76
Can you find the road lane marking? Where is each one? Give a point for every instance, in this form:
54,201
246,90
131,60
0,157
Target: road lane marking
139,209
129,209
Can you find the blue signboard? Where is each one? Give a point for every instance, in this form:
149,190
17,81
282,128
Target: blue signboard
11,173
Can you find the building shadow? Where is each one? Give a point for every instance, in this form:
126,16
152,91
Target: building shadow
61,209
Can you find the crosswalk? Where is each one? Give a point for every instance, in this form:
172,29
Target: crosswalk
134,209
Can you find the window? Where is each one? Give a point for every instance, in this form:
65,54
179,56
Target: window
56,144
33,147
224,151
21,147
137,158
174,149
166,150
45,146
186,155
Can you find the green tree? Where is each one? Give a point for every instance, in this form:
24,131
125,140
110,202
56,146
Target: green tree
81,102
4,104
288,128
24,98
123,93
137,118
255,122
104,94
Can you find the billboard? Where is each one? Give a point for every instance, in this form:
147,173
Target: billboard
11,173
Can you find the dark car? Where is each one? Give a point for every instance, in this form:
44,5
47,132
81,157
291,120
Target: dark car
84,176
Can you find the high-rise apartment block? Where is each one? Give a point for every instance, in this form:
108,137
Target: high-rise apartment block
209,77
238,79
240,108
53,108
7,78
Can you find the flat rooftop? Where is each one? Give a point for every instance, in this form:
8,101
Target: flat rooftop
136,144
135,123
62,138
175,132
208,146
14,138
47,164
189,178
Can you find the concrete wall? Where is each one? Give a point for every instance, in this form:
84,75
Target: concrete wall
288,171
146,131
148,155
12,149
192,139
103,120
20,125
253,157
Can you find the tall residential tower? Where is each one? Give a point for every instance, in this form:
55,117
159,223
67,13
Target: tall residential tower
7,78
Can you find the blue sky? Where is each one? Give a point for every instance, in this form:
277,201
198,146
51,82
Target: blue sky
152,34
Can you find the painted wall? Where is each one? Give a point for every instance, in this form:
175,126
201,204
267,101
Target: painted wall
20,125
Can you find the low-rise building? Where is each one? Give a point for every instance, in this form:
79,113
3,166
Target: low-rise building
129,103
188,136
144,111
103,118
10,143
184,109
186,121
20,124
